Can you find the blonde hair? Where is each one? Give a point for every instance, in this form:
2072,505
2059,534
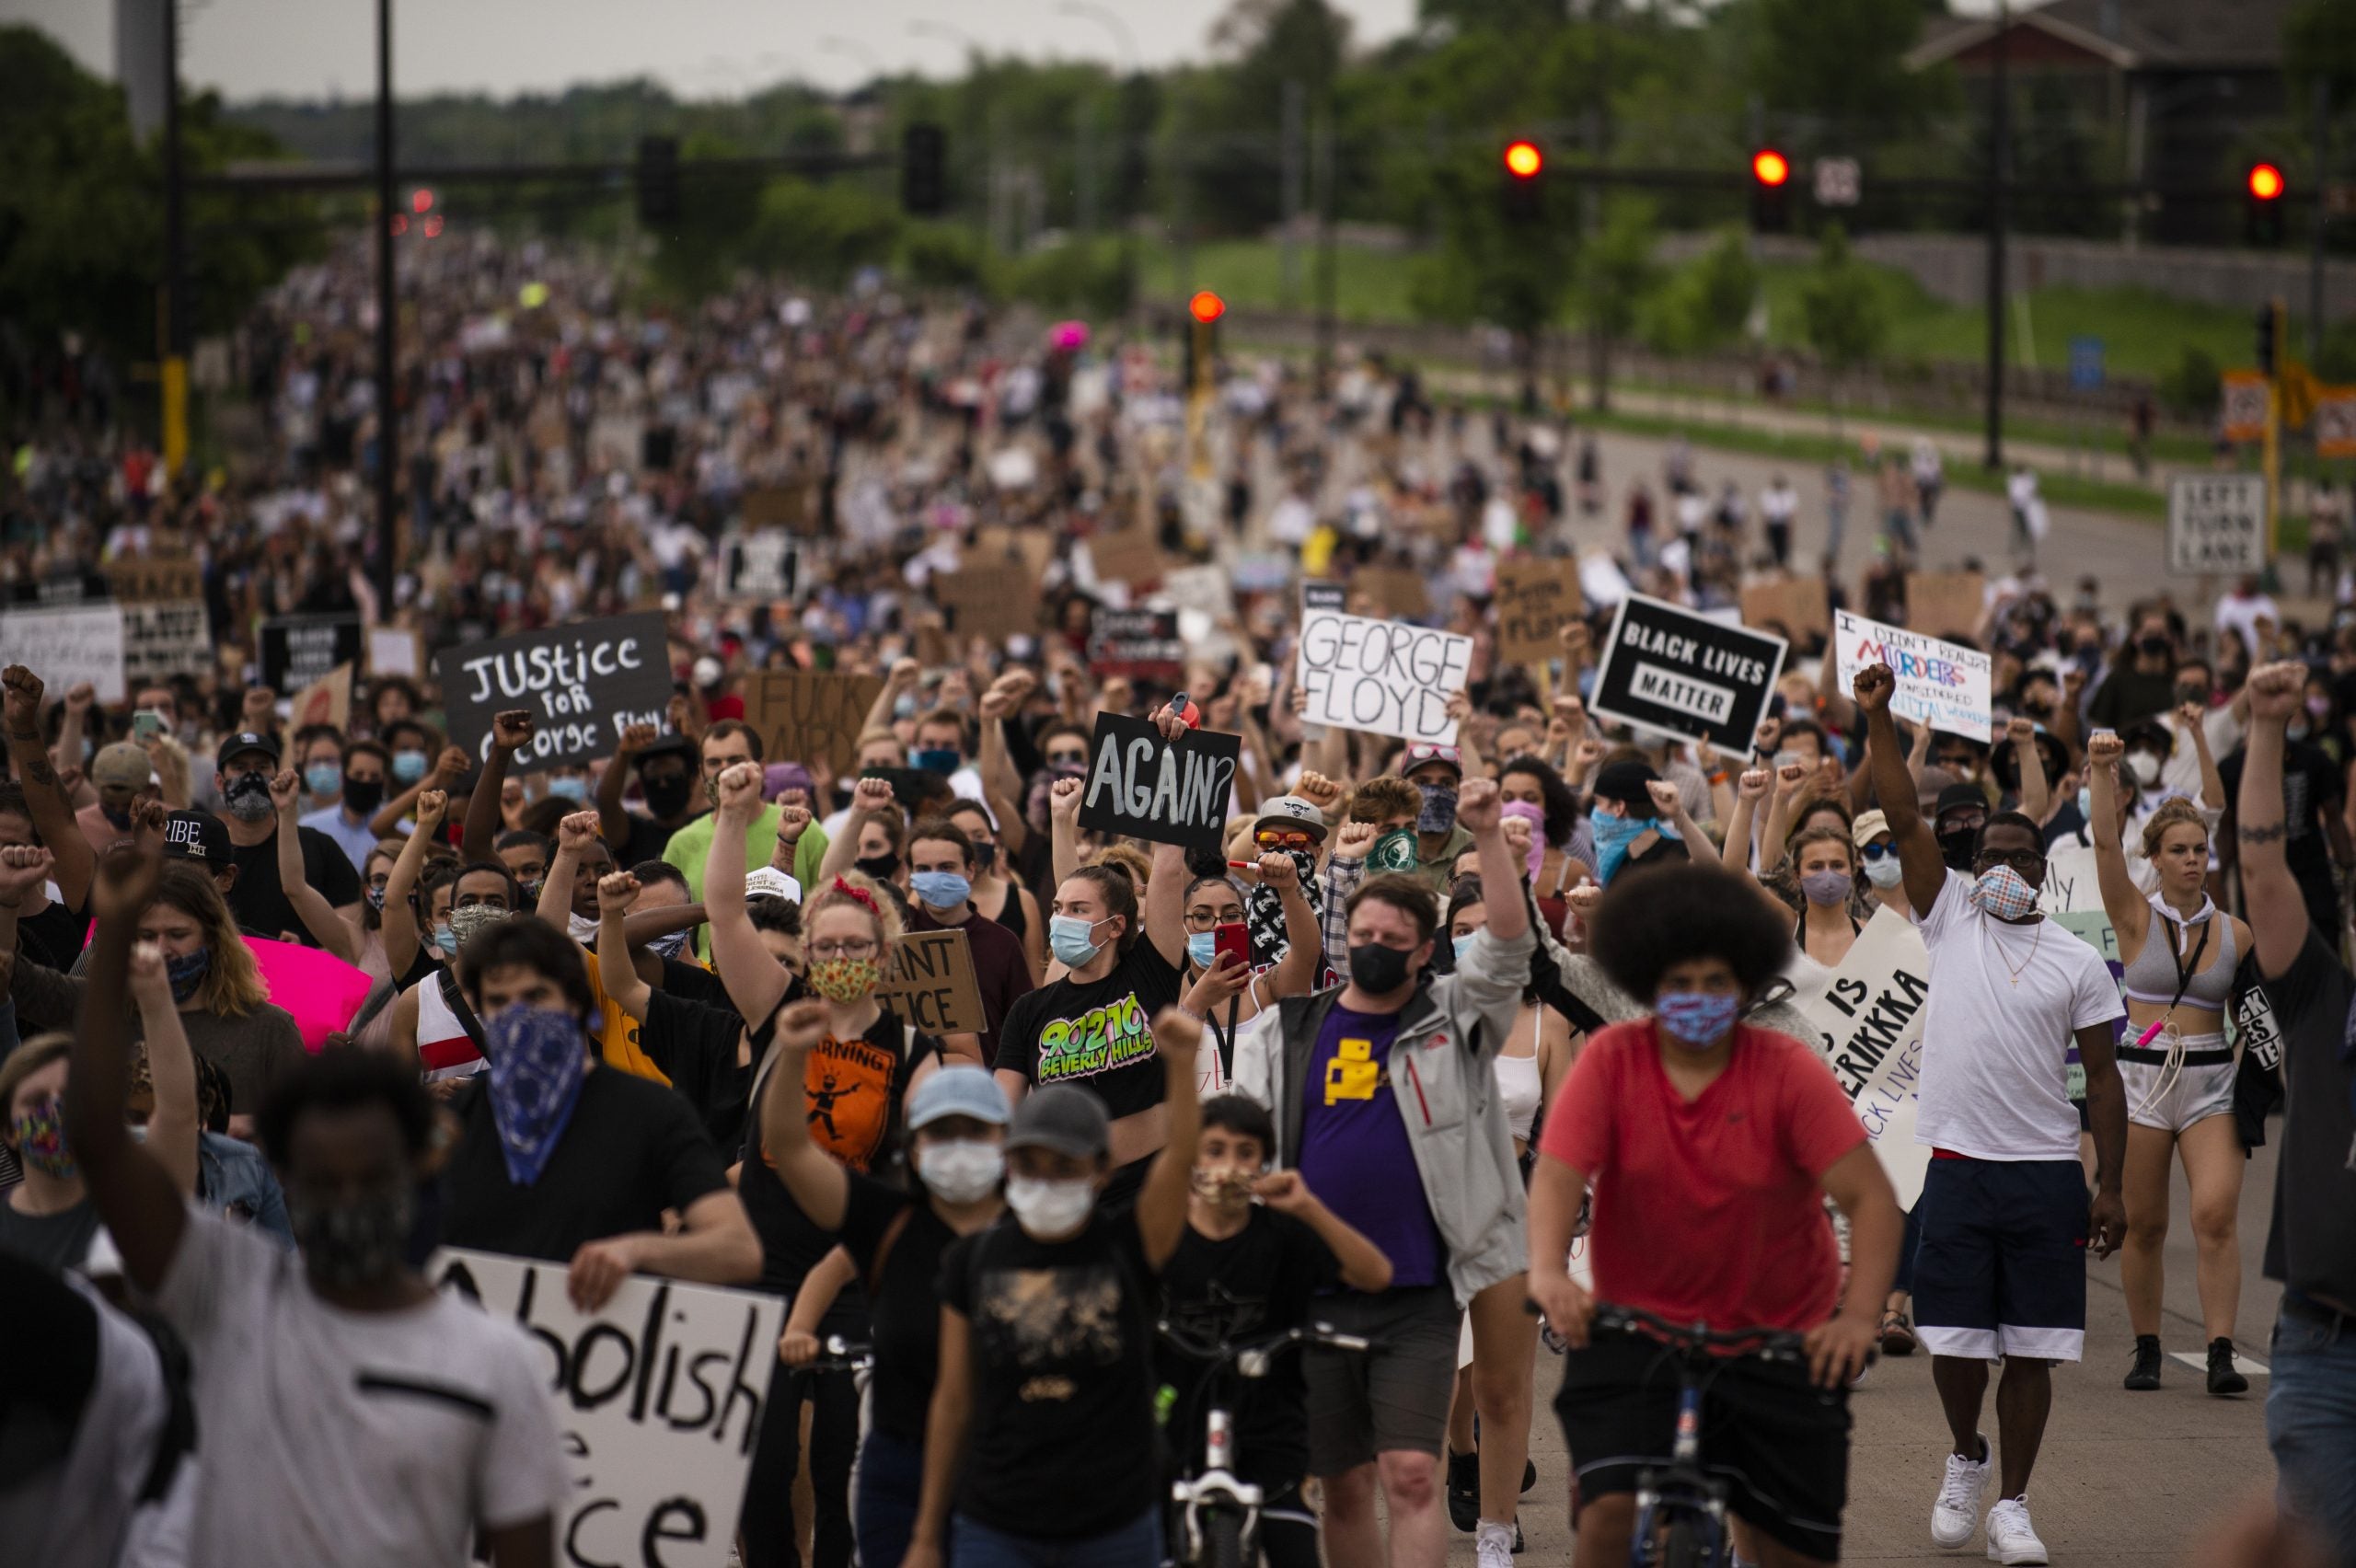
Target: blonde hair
857,889
1130,858
1823,833
2174,811
232,986
1385,797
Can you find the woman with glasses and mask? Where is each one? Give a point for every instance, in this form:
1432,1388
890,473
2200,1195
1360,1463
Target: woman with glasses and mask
1214,902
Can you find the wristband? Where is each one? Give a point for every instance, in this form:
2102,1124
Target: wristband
1719,776
1190,1013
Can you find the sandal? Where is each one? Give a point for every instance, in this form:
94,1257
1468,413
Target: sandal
1896,1334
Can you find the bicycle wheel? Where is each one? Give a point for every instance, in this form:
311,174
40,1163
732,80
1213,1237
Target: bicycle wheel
1222,1538
1687,1544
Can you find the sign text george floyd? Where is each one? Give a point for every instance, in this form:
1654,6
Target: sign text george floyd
1681,673
1385,676
584,684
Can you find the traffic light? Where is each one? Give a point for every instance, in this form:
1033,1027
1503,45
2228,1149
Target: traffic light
1202,338
1771,178
2269,337
1522,196
2264,214
658,180
924,188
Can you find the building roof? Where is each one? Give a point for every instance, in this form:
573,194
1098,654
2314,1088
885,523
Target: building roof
2131,34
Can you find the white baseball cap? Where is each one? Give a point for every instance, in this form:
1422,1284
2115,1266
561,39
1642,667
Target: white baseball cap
774,883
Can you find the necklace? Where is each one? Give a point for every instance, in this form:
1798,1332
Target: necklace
2012,974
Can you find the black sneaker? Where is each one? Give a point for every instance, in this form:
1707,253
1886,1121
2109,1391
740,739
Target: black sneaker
1464,1490
2145,1376
1528,1475
1517,1533
2224,1377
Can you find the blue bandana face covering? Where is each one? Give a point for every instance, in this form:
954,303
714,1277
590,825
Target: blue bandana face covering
537,1059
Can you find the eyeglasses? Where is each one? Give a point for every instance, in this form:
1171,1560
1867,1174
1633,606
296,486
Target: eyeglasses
2028,863
1282,839
1210,919
842,949
1067,759
1873,852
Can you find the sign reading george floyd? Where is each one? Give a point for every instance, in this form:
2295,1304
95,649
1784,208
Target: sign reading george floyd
1145,786
657,1395
1680,671
584,684
298,649
1383,677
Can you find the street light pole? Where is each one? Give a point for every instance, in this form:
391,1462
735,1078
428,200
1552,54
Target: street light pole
1999,180
389,421
175,335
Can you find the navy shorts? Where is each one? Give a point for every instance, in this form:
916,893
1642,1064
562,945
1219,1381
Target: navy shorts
2001,1267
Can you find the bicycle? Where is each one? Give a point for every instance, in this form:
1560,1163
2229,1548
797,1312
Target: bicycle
836,1353
1217,1512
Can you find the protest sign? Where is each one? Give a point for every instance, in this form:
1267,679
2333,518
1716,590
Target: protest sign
2216,523
793,506
1141,644
1946,603
657,1395
758,566
1382,676
1867,1015
327,701
298,649
806,714
1679,672
1535,600
1941,684
930,982
1795,607
318,990
1398,591
164,638
1034,547
992,599
156,580
1140,784
1204,588
1132,556
1602,580
584,684
2071,887
68,644
1323,596
396,651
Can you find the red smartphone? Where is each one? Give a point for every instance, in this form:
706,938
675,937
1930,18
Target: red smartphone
1233,938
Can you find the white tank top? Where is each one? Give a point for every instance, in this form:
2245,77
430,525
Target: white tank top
1518,1091
442,1044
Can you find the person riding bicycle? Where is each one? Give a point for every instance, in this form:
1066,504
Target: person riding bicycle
1694,1124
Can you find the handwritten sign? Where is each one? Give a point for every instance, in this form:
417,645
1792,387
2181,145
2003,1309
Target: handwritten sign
1142,644
758,566
156,580
1132,556
658,1396
1681,673
1868,1022
1399,591
806,714
1140,784
327,701
794,507
584,682
930,983
1383,677
68,644
1943,685
163,637
1535,600
298,649
396,651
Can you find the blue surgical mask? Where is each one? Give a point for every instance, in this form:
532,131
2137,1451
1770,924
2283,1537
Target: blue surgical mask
323,777
2086,802
408,766
943,760
1202,947
1067,939
1463,944
446,940
940,890
569,787
1696,1020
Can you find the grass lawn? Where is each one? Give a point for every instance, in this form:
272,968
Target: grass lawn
1369,285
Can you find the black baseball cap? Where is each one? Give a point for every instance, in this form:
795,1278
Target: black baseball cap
1959,798
197,836
246,741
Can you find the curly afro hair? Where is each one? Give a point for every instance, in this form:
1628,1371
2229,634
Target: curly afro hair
1652,919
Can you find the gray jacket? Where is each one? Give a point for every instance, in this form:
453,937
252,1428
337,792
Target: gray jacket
1443,1078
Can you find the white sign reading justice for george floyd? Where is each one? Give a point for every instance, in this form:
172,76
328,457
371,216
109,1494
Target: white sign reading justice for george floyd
1386,677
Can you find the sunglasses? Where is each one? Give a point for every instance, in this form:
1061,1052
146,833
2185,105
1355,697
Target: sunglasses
1873,852
1281,838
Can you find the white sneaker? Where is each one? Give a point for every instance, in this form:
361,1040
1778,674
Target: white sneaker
1493,1545
1956,1513
2010,1538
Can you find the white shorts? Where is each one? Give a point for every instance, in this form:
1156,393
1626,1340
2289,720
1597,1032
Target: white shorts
2173,1097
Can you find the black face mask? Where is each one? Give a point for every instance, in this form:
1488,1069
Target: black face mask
363,795
879,866
1955,848
985,855
1377,970
2152,647
666,797
2193,694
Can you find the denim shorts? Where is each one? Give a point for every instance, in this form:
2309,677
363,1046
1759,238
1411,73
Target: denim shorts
2311,1422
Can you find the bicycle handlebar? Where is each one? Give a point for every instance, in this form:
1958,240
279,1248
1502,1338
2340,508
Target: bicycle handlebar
1615,1319
1221,1352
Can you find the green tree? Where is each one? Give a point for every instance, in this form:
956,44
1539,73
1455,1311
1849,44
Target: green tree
1842,63
1843,310
1706,303
2319,39
1616,275
821,234
1488,268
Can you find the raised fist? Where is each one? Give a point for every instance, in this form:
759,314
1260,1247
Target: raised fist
512,731
1872,687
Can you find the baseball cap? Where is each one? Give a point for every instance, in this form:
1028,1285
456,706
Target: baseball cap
958,1090
1959,797
197,836
1868,827
780,777
1063,1118
1292,811
770,881
122,765
246,741
1422,752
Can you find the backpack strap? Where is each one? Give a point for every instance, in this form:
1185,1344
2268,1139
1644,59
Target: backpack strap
456,1001
874,1281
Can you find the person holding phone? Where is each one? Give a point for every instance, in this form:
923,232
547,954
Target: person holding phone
1217,937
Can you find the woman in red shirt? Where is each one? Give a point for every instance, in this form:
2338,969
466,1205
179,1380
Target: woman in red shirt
1711,1146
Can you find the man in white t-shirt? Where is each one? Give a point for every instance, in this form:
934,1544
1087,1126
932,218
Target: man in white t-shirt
349,1412
2000,1274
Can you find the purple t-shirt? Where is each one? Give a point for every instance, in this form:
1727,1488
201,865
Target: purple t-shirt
1354,1149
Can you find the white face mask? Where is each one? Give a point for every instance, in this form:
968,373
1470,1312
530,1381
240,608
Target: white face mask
961,1172
1884,872
1050,1211
2147,768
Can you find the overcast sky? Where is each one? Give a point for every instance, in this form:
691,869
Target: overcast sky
698,48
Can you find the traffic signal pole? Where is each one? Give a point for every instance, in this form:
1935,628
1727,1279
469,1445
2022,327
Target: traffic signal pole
175,333
1999,160
388,420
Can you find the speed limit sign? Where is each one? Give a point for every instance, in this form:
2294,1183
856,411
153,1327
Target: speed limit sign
1837,182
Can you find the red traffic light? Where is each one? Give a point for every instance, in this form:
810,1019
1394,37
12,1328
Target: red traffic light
421,200
1770,167
1206,307
2265,182
1523,160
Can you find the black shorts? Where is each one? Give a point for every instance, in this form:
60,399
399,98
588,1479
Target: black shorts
1780,1444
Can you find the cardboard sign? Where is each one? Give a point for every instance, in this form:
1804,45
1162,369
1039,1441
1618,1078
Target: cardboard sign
2216,523
584,682
806,714
658,1397
68,644
1035,548
1204,588
1382,676
1797,607
992,599
1399,591
791,506
1141,644
156,580
1679,672
298,649
930,983
396,651
1142,785
327,701
758,566
1939,684
1868,1022
1132,556
164,638
1946,603
1535,600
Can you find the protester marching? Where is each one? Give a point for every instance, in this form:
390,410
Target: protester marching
863,963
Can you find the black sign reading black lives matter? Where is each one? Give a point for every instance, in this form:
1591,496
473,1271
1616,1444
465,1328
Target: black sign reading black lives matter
298,649
584,684
1142,785
1677,670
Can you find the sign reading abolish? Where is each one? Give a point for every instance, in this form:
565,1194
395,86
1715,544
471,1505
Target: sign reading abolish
1383,677
1868,1023
2216,523
1941,684
298,649
930,983
1140,784
584,684
1680,671
658,1396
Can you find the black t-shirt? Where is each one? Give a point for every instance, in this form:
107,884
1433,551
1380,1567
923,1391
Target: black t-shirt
1258,1282
633,1149
1063,1376
53,936
695,1045
1099,1036
906,1314
2310,1246
59,1240
697,984
2310,784
647,840
259,900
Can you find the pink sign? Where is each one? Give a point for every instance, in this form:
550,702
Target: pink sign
319,988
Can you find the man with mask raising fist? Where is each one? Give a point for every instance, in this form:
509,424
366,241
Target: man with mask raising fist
247,762
2001,1272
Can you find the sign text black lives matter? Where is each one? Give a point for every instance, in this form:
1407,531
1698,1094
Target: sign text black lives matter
1670,669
